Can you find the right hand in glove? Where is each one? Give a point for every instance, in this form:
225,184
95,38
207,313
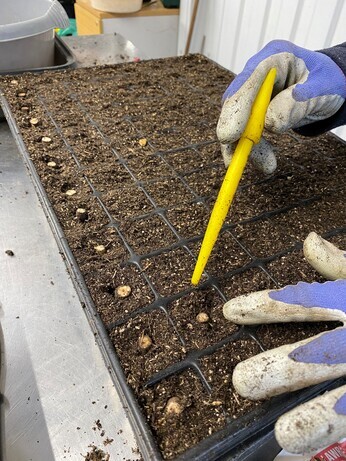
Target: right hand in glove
322,420
309,87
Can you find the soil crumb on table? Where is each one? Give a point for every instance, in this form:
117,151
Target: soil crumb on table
96,454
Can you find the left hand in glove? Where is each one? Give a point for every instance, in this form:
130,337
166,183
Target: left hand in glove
322,420
309,87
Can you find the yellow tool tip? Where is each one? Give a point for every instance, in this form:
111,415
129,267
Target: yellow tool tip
196,276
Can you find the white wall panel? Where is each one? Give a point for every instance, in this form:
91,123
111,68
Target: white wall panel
338,28
250,26
313,23
231,31
281,20
184,20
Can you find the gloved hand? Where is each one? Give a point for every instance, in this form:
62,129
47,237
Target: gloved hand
309,87
321,421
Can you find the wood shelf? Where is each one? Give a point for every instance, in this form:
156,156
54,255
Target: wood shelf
148,9
153,29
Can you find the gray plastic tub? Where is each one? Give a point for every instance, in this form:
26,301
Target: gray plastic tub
27,33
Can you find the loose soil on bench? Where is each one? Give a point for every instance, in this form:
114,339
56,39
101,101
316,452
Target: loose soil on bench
134,146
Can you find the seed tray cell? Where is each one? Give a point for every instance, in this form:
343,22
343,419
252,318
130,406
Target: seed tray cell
185,160
265,239
197,406
297,332
250,279
218,368
131,202
149,167
188,219
139,363
197,316
103,287
143,234
210,153
280,269
233,257
136,142
319,216
211,183
339,240
166,275
328,146
111,172
77,226
167,192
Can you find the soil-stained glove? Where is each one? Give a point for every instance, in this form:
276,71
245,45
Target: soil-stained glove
321,421
309,87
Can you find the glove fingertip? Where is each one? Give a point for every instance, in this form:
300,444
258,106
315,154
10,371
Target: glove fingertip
263,157
240,381
227,153
324,257
286,433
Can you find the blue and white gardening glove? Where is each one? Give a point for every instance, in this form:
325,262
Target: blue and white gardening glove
321,421
310,87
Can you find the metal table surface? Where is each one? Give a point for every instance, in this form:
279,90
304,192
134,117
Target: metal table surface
95,50
58,397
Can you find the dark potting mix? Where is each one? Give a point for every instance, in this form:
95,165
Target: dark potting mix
129,161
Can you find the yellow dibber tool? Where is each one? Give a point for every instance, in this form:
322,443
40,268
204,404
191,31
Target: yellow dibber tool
252,134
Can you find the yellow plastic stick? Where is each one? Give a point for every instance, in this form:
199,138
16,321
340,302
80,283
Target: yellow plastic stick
252,134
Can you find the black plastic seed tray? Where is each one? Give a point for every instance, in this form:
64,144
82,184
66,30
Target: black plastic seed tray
244,437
